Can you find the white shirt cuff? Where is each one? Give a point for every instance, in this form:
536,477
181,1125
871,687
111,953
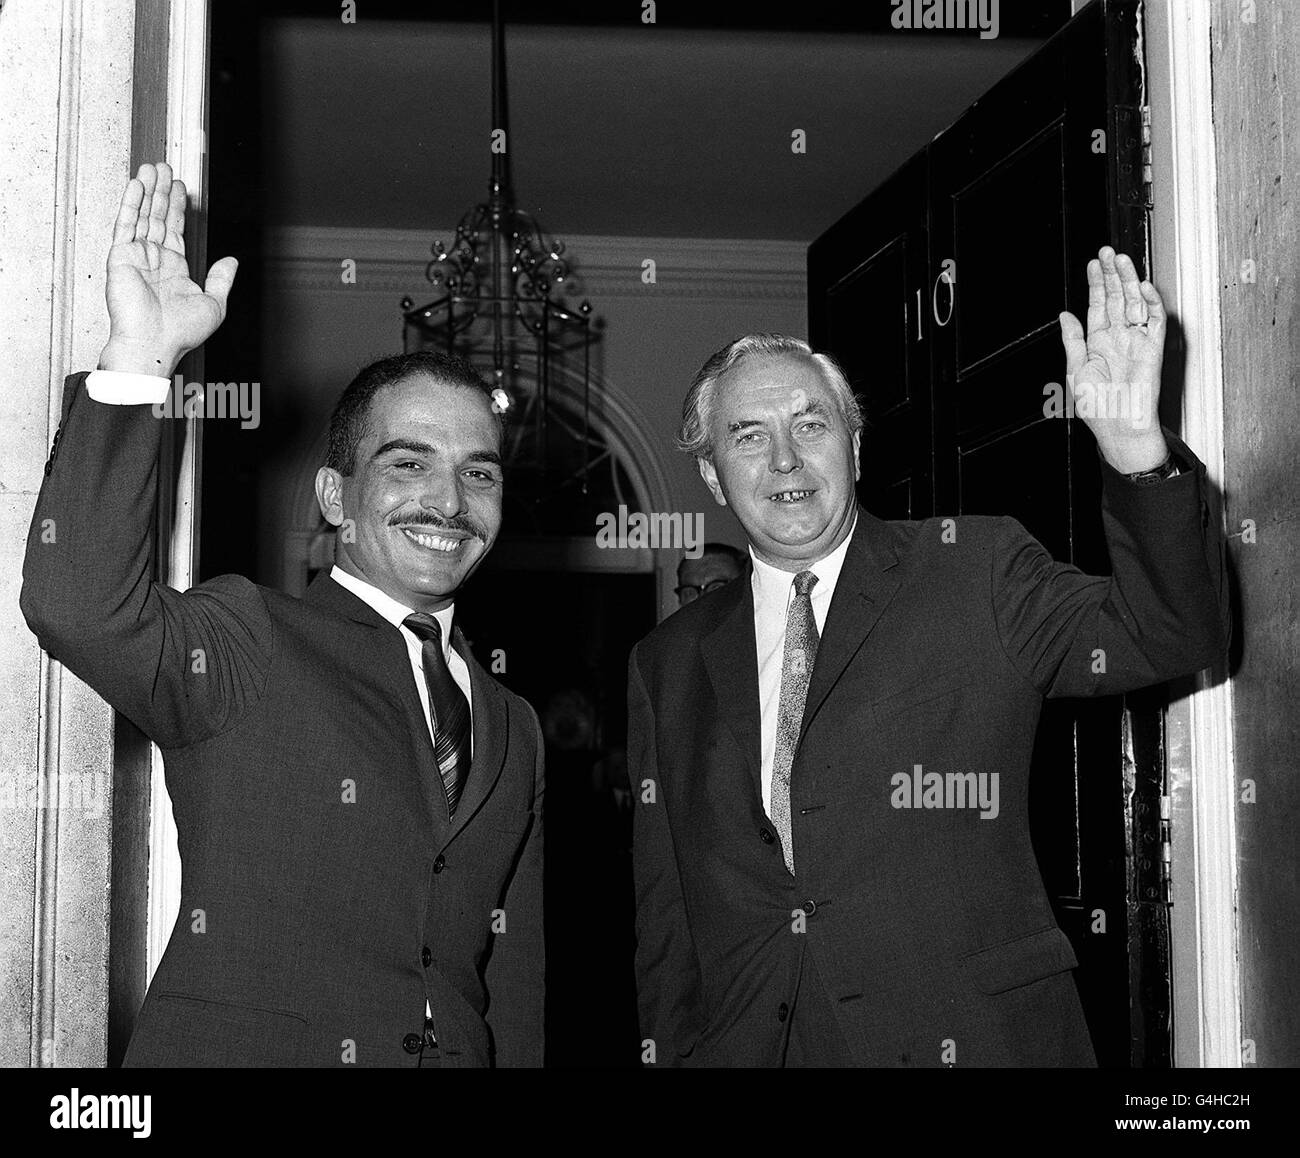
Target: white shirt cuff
118,389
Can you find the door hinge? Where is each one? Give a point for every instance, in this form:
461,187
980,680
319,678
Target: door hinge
1166,850
1133,155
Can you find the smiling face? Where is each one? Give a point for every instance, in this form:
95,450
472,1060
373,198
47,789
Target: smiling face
425,495
784,459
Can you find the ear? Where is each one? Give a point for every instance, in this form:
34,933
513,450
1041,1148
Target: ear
329,494
857,450
709,474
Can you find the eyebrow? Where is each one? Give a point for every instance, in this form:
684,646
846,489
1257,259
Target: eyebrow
409,444
815,407
415,446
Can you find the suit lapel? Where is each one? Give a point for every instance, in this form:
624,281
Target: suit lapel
867,583
491,712
731,659
392,659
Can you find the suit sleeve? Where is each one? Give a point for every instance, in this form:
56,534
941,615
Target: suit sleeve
181,666
669,1002
516,971
1162,613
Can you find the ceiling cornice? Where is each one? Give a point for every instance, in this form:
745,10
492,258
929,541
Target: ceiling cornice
392,262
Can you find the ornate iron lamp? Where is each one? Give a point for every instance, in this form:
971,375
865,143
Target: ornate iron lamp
501,303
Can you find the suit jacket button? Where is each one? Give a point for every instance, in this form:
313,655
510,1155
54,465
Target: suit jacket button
426,958
782,1012
439,863
765,835
412,1042
809,908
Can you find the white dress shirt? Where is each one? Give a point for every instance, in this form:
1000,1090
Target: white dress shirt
115,388
773,590
395,612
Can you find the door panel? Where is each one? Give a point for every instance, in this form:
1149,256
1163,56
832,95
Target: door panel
1016,199
870,320
1036,491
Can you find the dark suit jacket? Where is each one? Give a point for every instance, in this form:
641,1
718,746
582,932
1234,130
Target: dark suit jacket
325,892
925,925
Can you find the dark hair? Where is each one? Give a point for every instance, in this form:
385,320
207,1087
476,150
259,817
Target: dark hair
349,423
726,550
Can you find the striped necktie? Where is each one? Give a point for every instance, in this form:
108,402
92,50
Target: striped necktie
801,641
448,705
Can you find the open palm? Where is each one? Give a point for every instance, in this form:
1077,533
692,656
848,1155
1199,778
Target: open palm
153,304
1114,373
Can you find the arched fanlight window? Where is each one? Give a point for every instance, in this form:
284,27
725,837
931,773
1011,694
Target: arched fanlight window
560,480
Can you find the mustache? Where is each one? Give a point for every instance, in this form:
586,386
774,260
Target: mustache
459,523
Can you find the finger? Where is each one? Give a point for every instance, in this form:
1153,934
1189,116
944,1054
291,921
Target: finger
1114,288
1135,309
162,195
219,280
128,213
1155,306
1076,348
175,225
148,178
1096,298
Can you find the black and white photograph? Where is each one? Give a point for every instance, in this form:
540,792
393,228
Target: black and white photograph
610,535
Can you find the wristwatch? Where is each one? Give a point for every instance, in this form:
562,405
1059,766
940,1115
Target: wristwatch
1167,469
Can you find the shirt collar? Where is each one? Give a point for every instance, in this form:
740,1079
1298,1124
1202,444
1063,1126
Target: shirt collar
388,607
771,584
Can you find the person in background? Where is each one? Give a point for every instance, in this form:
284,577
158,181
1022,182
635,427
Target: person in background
717,566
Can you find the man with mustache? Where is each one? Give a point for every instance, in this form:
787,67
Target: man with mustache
359,804
812,887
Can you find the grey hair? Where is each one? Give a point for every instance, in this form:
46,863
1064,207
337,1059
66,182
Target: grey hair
697,410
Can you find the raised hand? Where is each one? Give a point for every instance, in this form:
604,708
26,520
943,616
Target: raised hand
1113,375
156,313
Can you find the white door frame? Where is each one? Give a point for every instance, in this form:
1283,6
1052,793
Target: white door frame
1185,266
187,153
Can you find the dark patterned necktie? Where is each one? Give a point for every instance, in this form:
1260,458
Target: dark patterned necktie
449,707
801,641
